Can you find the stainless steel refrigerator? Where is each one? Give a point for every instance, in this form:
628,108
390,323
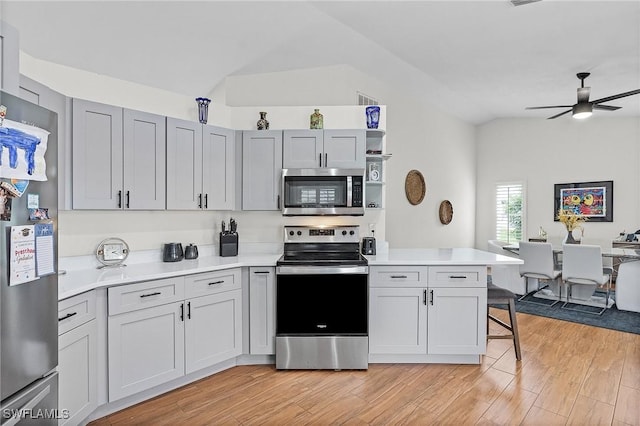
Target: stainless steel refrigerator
28,310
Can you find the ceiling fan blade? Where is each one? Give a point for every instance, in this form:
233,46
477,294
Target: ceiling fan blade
554,106
583,94
618,96
606,107
561,114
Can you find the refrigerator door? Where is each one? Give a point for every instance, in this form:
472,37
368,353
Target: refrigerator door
28,311
35,405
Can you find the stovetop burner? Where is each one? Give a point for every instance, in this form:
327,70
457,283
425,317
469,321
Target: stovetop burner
318,246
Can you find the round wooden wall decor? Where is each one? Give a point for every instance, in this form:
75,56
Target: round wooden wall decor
446,212
415,187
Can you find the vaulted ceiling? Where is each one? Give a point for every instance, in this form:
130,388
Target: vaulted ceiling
478,60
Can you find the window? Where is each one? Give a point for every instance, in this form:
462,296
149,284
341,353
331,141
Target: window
510,212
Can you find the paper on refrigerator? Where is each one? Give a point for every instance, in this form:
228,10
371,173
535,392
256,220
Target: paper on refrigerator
22,265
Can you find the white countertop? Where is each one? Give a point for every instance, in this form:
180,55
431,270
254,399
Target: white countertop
79,280
441,256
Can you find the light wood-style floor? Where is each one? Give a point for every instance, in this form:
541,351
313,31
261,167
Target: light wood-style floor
570,374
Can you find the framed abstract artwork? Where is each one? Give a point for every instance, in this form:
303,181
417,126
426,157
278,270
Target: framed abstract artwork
593,200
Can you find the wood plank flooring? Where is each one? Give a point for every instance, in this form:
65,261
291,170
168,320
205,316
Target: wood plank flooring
571,374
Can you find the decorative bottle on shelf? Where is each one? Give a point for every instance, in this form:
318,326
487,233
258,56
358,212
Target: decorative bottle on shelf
316,120
263,124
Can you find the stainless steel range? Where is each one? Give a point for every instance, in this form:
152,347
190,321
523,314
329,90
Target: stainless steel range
322,300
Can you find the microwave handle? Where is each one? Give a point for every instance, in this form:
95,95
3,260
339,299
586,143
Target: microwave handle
325,159
320,160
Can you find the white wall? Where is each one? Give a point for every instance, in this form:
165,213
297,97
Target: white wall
418,135
544,152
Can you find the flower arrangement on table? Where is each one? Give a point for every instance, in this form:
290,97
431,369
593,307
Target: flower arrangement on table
571,221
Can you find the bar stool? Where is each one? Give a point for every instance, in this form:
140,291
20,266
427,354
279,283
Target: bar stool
501,296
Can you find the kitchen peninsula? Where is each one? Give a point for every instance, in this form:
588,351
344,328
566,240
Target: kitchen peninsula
425,305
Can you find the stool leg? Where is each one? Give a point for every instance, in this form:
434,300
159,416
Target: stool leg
514,328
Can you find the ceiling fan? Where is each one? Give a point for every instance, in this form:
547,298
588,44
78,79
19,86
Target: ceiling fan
584,107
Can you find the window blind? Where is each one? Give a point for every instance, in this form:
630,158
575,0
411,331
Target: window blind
509,212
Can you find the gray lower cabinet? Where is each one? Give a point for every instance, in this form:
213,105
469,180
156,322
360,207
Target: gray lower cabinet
420,310
324,148
118,158
158,333
262,320
200,166
261,169
77,358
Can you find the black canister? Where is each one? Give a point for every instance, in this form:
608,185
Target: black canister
172,252
191,252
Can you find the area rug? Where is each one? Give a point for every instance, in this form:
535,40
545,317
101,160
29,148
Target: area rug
611,318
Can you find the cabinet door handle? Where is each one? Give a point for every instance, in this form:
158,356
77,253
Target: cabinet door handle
260,272
189,310
127,204
431,297
206,201
182,312
199,201
320,160
325,159
278,202
424,297
398,276
150,294
457,277
119,199
69,315
216,282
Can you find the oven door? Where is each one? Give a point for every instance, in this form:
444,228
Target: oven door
314,192
322,300
321,318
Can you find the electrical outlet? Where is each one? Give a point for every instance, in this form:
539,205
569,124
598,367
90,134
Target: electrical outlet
372,229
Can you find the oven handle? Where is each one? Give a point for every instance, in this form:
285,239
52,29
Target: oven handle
321,270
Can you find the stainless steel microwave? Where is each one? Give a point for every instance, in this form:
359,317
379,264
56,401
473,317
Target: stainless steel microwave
320,192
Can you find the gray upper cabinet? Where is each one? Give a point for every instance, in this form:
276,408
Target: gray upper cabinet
9,59
302,149
345,149
324,148
261,169
218,169
97,156
118,158
42,95
200,166
144,161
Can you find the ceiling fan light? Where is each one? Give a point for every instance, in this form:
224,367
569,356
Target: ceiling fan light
582,111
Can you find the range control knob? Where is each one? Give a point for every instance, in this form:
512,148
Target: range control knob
344,232
299,232
291,233
351,232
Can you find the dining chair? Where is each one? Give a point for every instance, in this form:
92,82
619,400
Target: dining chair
582,272
539,264
506,276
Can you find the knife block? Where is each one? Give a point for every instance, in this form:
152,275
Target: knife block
228,245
